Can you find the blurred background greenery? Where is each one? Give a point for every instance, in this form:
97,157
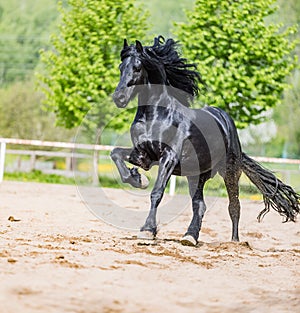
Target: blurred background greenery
26,27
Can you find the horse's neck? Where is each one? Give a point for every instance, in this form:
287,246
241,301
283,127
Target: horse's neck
153,96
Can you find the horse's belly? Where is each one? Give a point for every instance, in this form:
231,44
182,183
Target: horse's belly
200,158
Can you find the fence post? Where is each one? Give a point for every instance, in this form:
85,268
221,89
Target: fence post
32,161
2,159
95,168
68,163
172,185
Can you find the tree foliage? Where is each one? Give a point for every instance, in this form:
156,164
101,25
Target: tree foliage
22,115
288,121
82,69
164,13
24,29
243,61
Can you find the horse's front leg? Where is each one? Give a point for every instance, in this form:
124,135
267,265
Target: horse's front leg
166,166
130,176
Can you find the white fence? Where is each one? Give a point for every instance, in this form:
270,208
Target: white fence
67,155
95,148
38,143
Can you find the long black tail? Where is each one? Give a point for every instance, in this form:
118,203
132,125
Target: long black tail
277,195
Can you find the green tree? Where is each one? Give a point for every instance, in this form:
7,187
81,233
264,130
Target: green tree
22,115
287,118
243,60
287,114
164,13
82,69
24,30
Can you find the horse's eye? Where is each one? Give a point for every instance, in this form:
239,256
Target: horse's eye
137,66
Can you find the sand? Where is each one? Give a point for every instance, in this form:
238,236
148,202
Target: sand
56,256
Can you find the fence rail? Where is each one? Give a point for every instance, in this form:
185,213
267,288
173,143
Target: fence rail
52,144
89,147
55,144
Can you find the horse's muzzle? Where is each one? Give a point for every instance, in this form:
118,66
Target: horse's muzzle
120,99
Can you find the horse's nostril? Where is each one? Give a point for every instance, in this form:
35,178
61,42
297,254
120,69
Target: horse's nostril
121,98
118,97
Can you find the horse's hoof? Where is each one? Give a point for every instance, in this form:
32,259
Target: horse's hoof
146,234
144,181
188,240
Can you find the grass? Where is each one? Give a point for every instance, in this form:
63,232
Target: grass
109,178
214,187
38,176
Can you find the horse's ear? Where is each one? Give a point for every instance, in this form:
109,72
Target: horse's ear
125,43
139,47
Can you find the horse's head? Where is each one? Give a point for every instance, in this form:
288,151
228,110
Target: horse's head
159,64
132,74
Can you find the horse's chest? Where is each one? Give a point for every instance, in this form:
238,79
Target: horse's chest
157,135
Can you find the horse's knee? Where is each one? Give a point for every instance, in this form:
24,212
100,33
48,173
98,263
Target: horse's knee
115,154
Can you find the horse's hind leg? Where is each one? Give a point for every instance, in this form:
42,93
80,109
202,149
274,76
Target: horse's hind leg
231,179
196,185
130,176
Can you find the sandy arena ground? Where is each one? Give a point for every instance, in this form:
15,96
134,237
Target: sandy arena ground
56,256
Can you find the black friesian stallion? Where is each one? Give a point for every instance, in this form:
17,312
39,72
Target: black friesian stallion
196,143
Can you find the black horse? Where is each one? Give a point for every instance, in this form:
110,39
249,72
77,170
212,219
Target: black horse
196,143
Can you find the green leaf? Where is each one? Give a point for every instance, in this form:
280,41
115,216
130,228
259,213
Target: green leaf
82,66
242,59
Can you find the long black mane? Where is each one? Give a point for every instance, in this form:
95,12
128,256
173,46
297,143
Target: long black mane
165,66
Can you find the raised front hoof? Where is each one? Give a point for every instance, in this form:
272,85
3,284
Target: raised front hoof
145,234
188,240
137,180
144,181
